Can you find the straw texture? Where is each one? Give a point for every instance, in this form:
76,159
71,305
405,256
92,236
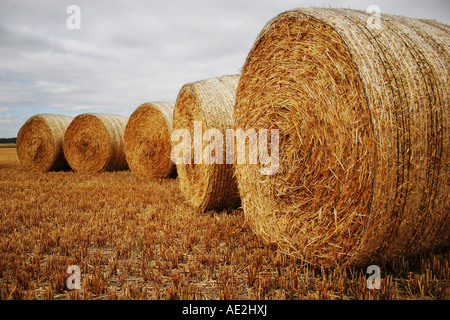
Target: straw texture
364,139
94,143
211,102
147,140
39,142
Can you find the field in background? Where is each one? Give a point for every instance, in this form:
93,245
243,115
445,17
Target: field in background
8,155
136,239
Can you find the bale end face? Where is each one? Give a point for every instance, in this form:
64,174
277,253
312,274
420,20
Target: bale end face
147,141
363,121
39,142
94,143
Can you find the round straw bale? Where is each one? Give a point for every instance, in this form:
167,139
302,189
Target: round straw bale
39,142
94,143
147,140
363,117
209,102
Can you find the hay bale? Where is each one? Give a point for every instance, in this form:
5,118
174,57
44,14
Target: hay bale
363,120
147,140
39,142
94,143
209,102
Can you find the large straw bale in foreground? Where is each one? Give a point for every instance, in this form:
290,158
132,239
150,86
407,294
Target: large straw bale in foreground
39,142
364,142
209,102
94,143
147,140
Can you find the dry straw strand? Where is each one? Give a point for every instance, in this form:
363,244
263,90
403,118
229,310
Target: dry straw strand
211,102
363,120
94,143
39,142
147,140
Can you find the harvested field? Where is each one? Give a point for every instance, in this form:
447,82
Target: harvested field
145,242
8,155
362,182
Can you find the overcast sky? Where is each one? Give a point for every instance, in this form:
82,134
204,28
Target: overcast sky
129,52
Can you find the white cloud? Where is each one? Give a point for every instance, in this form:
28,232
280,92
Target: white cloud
5,118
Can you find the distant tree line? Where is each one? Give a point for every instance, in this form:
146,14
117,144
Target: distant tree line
8,140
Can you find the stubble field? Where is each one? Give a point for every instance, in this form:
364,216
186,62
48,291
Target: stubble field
137,239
